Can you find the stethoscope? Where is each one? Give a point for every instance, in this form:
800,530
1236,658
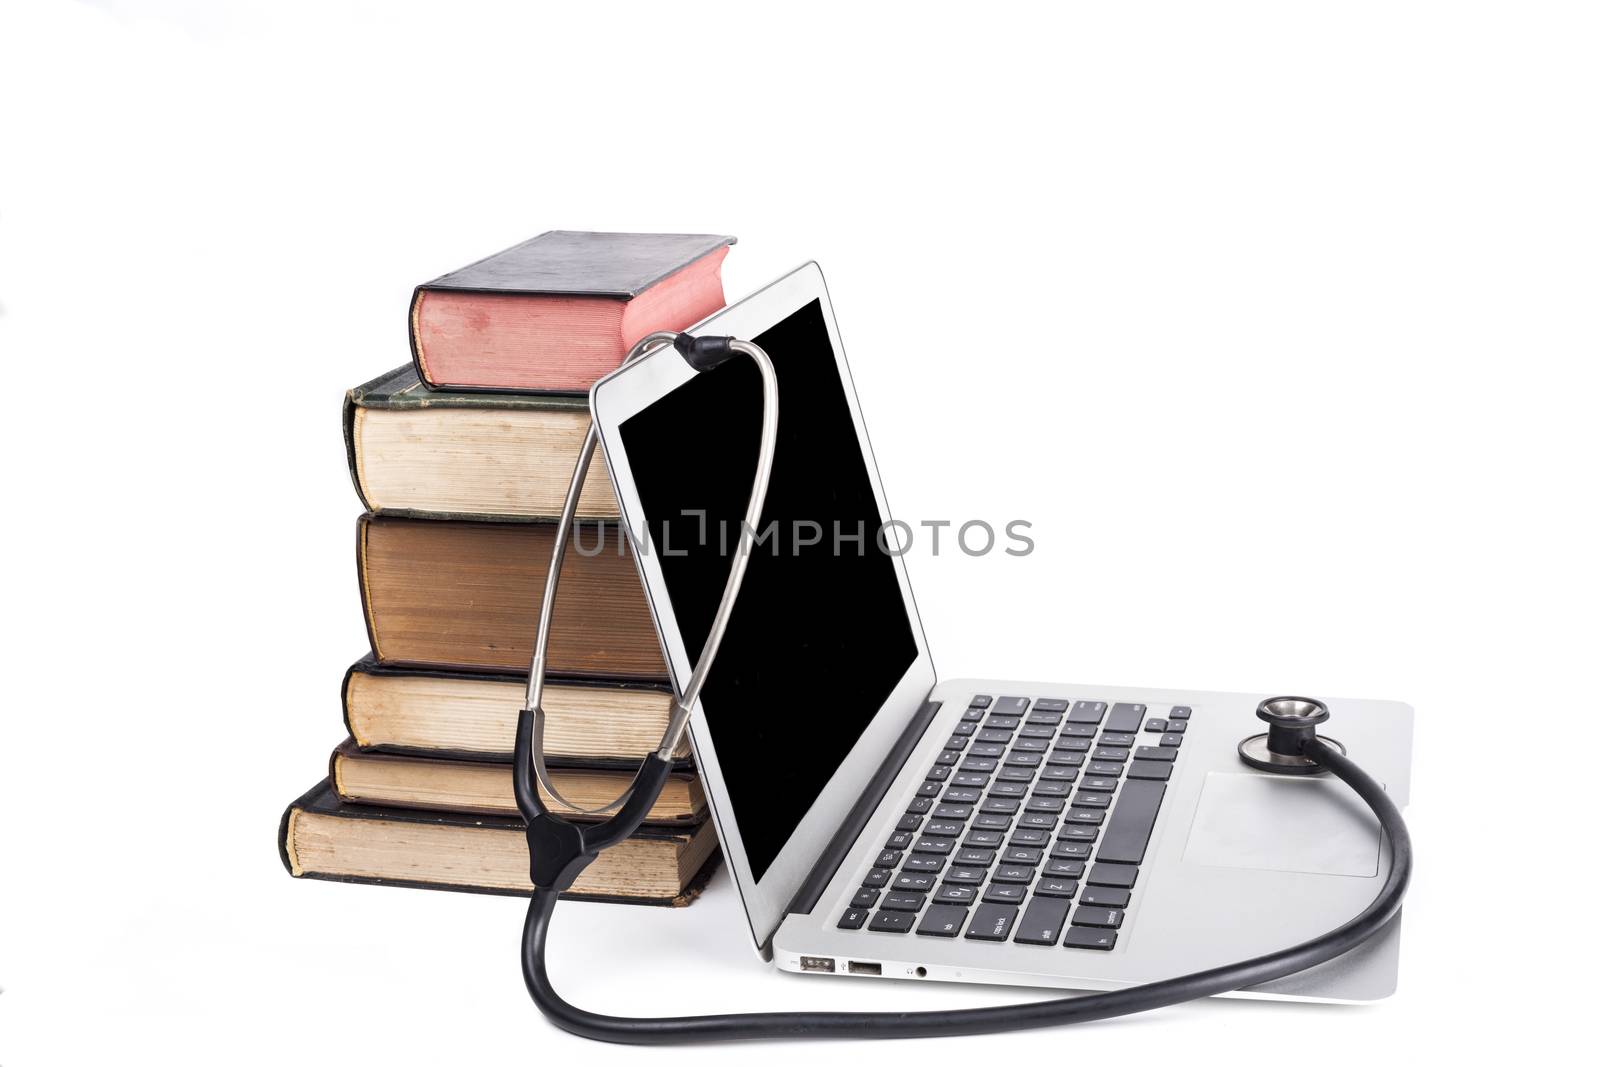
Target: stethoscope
560,849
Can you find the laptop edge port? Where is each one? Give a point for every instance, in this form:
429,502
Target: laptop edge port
856,967
817,963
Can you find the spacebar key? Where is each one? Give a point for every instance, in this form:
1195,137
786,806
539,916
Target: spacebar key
1128,832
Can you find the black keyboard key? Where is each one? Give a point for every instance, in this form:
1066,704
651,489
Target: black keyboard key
965,729
864,898
1014,774
1085,937
962,794
852,918
1028,857
1009,789
1058,774
1101,897
1179,712
1030,837
965,876
946,759
943,920
953,811
930,864
1177,726
977,781
1052,789
1110,918
987,749
1002,722
899,840
937,774
904,901
1037,820
1079,730
1132,819
1071,850
1045,718
1118,740
1098,784
1149,770
1105,769
887,858
1125,718
1009,706
944,828
956,743
1059,758
1024,759
913,882
1055,887
1154,752
1001,806
1005,893
876,878
1074,744
1042,922
1014,873
929,789
979,764
1050,704
1091,800
1030,744
1042,805
991,822
1079,832
954,893
1155,726
994,737
1171,740
1037,731
980,701
1060,868
992,922
1087,711
985,839
974,857
1086,816
972,715
1113,755
1117,875
892,922
919,806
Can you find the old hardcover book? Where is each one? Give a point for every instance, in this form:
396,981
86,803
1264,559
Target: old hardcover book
556,312
440,454
477,786
467,595
323,837
466,715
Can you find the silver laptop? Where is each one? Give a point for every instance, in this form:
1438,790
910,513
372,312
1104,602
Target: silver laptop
878,821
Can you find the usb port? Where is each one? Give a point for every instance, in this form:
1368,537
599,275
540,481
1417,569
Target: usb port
817,963
857,967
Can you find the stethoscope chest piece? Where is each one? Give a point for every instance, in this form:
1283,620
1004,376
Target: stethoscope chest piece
1291,722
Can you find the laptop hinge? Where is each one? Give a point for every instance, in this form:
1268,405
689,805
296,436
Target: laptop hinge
810,891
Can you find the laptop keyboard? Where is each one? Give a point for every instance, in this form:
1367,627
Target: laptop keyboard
1029,827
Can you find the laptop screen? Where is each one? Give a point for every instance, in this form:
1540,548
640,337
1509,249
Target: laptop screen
819,637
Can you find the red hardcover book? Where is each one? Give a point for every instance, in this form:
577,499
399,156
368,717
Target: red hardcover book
555,313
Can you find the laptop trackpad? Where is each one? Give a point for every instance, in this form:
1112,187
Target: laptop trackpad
1301,825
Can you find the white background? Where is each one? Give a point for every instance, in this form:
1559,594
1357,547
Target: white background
1278,321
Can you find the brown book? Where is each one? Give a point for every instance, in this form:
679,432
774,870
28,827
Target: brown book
477,786
323,837
470,715
467,594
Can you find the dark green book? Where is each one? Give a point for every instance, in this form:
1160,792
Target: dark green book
427,453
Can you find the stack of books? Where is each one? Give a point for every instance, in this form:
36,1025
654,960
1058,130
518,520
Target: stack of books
462,461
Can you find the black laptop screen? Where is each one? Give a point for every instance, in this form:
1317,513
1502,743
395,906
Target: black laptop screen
819,637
